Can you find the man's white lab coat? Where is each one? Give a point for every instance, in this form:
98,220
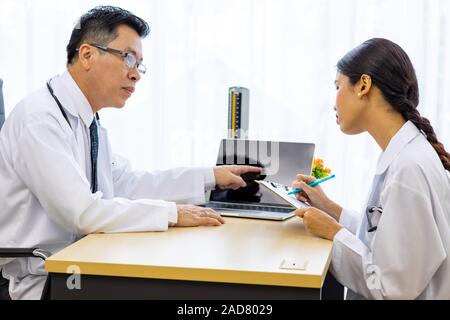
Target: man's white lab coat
45,177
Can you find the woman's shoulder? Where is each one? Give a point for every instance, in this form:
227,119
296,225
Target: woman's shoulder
418,162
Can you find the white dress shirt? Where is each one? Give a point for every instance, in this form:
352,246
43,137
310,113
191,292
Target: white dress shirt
407,257
45,174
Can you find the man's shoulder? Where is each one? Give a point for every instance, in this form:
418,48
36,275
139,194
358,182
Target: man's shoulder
37,106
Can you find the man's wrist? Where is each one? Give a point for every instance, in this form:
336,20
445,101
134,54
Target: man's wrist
172,214
210,178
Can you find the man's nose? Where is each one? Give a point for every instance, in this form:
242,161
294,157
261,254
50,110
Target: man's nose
134,74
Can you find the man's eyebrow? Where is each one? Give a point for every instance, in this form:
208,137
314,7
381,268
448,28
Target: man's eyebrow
335,81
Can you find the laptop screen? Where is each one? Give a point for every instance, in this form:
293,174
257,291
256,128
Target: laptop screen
280,161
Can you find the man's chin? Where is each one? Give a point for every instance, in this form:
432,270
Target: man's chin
119,105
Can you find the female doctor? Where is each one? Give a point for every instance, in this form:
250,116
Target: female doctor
399,247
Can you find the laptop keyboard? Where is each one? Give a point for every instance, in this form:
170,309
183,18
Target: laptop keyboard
247,207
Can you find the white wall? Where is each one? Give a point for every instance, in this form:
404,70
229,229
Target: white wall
284,51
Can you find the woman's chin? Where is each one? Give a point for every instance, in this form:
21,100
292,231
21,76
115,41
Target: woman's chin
343,127
350,130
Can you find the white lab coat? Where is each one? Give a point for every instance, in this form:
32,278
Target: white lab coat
407,257
45,194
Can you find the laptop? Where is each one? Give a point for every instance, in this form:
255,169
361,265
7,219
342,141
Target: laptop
281,162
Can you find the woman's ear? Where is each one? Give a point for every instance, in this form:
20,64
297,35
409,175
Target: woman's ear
364,85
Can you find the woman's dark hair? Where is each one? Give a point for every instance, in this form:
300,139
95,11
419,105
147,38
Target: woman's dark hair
99,25
392,72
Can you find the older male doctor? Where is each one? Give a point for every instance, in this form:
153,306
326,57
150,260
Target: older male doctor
59,178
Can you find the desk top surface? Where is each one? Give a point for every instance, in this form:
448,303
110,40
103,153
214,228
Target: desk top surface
246,251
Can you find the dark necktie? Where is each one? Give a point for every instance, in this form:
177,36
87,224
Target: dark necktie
94,154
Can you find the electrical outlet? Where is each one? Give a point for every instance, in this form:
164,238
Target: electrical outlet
293,264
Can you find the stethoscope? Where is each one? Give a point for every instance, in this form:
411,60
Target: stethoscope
373,204
371,210
50,89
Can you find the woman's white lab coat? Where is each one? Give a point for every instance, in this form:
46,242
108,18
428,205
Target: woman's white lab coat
45,194
407,256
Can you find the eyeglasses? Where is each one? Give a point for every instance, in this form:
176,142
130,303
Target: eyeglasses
130,58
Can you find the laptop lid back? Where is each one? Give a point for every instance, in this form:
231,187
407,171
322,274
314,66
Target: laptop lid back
280,161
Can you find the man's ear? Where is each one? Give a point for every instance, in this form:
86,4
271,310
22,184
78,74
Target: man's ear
364,85
86,55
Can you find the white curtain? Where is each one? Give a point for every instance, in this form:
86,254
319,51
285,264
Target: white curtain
284,51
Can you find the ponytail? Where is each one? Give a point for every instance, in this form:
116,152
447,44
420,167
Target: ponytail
424,125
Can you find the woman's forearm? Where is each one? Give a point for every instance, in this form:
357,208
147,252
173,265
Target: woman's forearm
334,210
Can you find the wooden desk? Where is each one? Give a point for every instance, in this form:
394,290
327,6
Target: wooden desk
239,260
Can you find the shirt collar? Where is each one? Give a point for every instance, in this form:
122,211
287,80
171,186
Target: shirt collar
404,136
72,98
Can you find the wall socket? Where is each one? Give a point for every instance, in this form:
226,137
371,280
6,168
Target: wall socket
293,264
